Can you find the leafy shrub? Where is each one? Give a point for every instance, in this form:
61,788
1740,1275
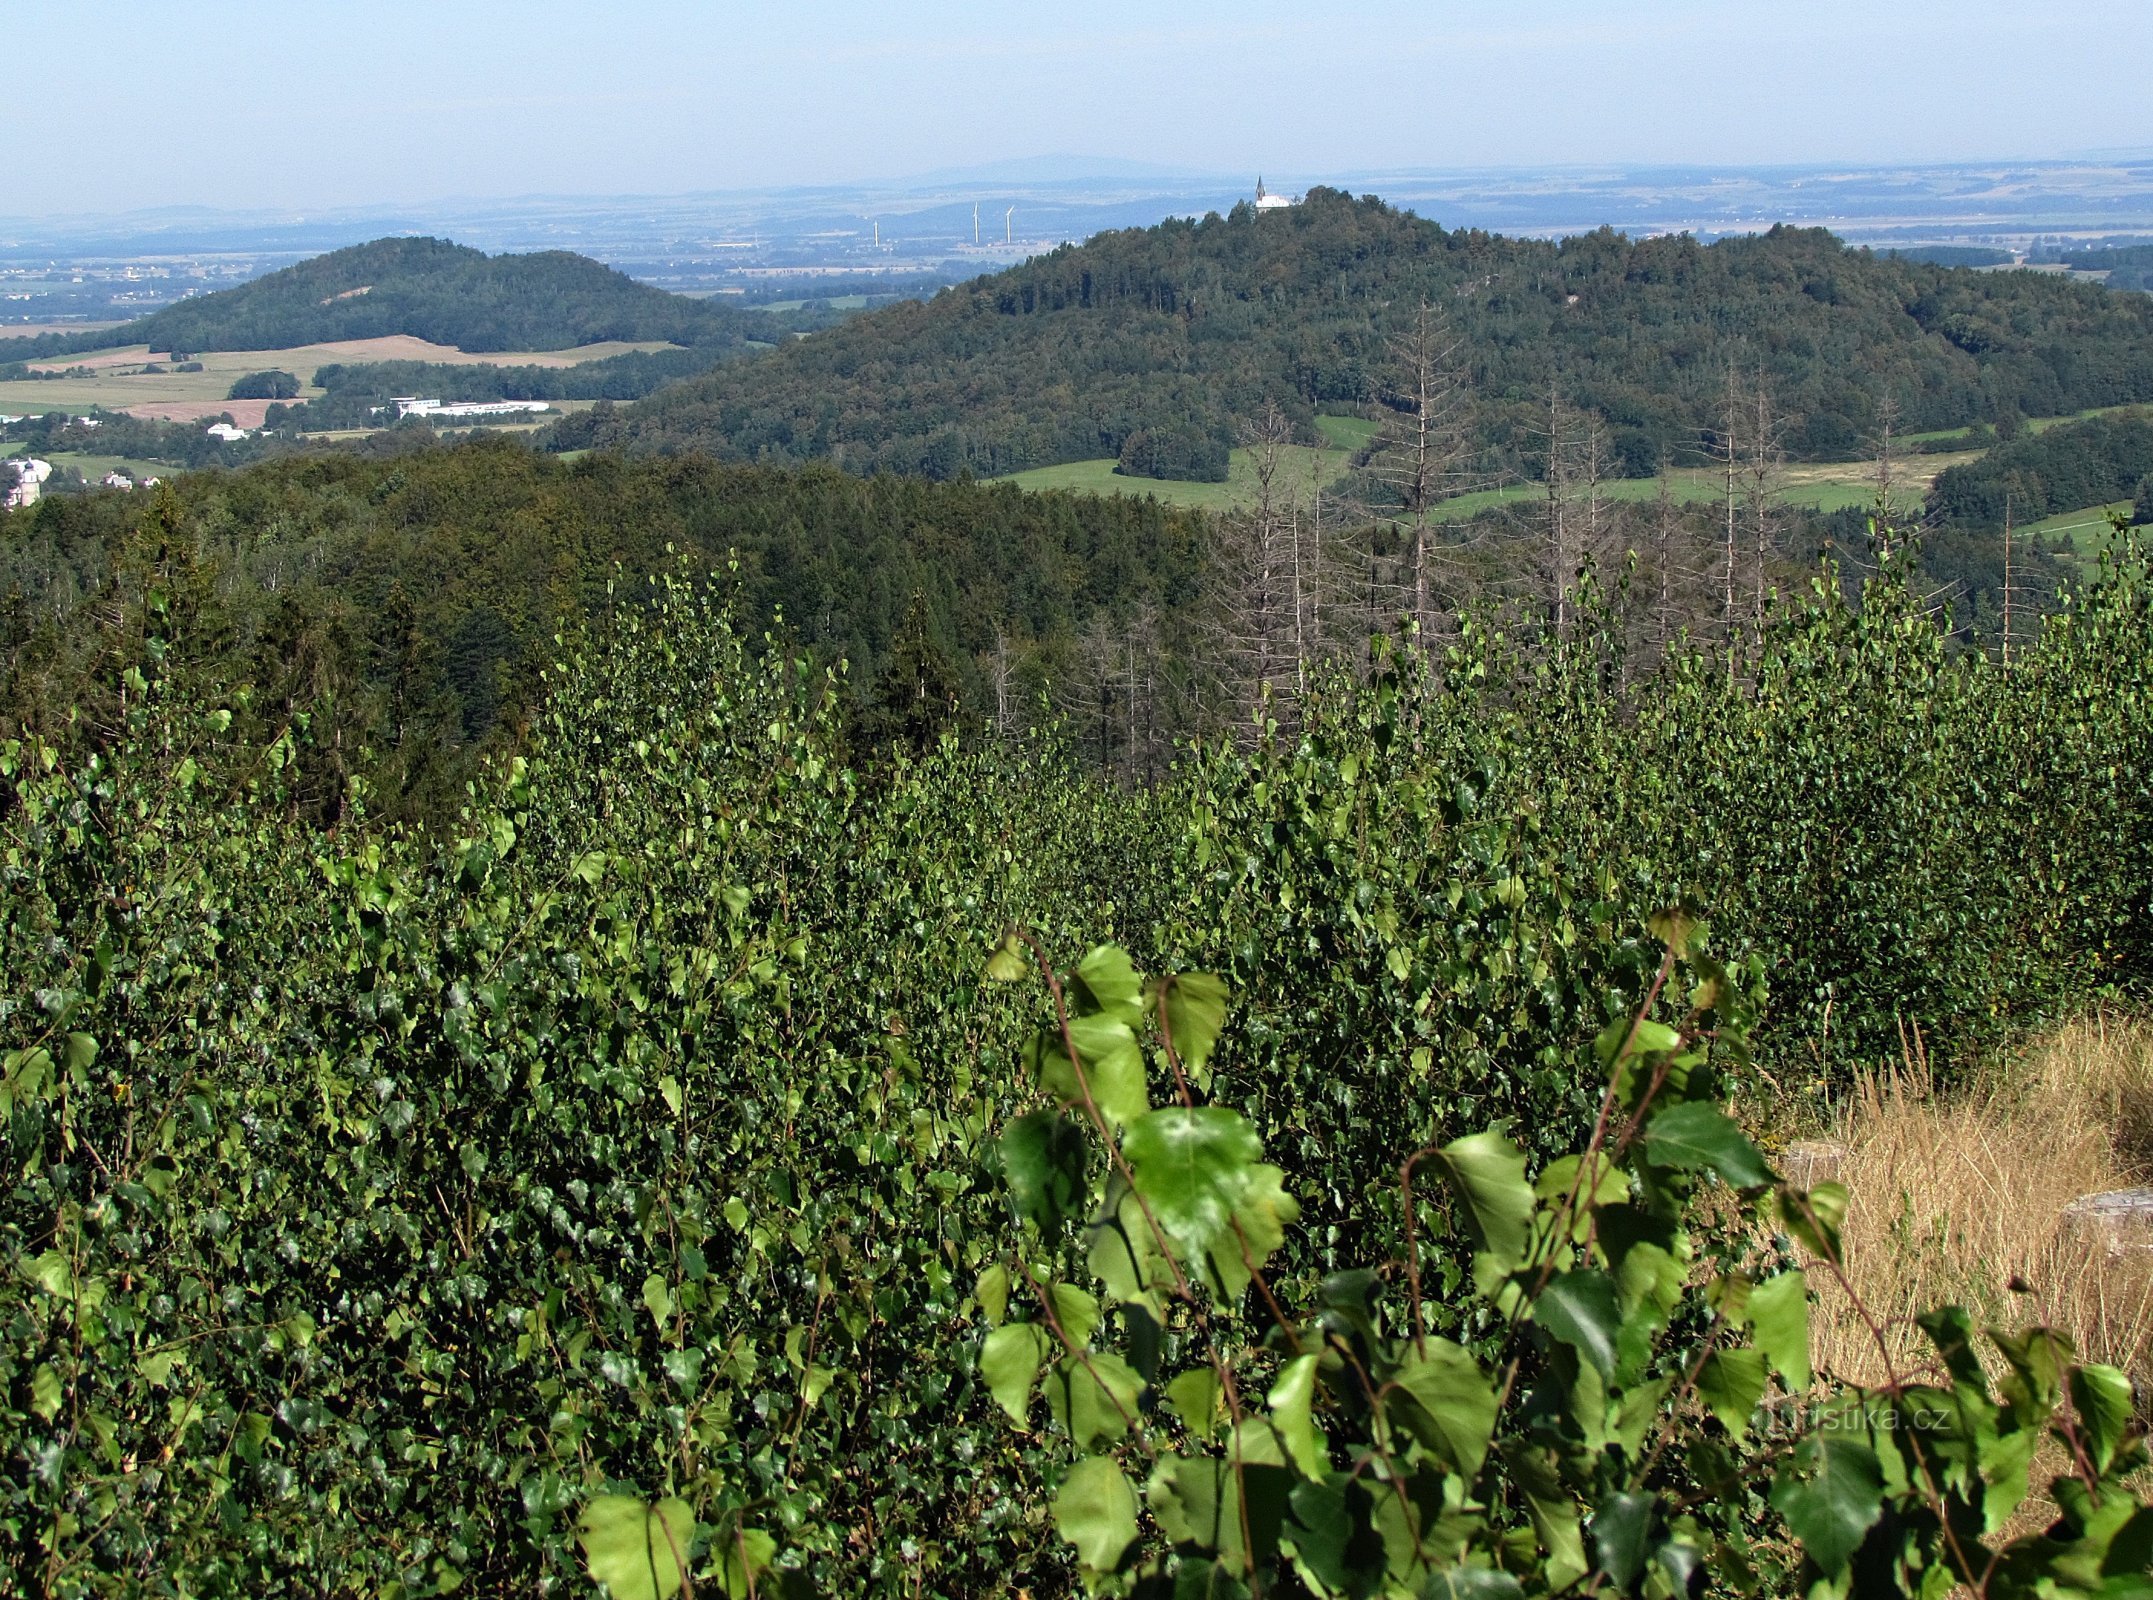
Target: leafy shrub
380,1203
1632,1316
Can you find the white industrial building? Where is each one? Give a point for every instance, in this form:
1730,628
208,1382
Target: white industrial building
411,405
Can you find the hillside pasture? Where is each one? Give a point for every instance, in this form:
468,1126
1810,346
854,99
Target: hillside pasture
116,380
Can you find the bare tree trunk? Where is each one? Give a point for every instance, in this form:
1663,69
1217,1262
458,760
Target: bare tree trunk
1555,511
2007,510
1765,478
1001,677
1886,514
1726,449
1418,453
1256,584
1663,539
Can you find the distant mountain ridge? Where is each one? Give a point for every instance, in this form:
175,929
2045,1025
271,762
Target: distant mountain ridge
1196,324
431,289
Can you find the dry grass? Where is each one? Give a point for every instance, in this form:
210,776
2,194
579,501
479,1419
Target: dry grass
1954,1196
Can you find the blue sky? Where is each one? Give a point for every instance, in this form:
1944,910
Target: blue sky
246,103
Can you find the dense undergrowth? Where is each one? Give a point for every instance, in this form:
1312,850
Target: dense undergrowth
372,1202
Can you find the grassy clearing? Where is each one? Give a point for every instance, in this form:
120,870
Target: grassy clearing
2033,425
1823,486
1954,1197
1303,464
118,383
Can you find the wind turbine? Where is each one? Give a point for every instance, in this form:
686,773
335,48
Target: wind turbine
975,224
1009,226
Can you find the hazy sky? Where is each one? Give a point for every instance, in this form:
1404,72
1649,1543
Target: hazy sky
117,104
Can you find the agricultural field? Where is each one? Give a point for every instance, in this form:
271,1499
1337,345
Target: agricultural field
117,380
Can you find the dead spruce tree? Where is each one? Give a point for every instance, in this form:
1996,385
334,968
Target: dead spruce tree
1263,587
1415,567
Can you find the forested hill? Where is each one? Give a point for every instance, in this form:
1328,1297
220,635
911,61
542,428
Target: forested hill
1193,325
446,293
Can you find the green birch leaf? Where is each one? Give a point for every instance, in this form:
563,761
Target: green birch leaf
1095,1510
746,1553
1011,960
1730,1383
1044,1161
1106,985
1192,1163
1446,1402
1094,1398
1778,1314
1695,1137
1830,1492
1010,1360
1487,1171
1553,1511
1292,1401
992,1293
638,1551
1579,1308
658,1300
1621,1528
1195,1015
1113,1067
2102,1397
1470,1583
1077,1312
46,1393
1814,1217
1194,1398
1260,1219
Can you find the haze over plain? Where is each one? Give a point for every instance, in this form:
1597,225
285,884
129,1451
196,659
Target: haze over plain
406,102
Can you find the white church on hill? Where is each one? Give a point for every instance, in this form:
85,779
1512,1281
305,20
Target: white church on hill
1266,201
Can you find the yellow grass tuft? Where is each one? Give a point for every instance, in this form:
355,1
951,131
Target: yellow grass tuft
1954,1196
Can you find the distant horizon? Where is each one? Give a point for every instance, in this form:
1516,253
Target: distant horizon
333,107
1073,168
